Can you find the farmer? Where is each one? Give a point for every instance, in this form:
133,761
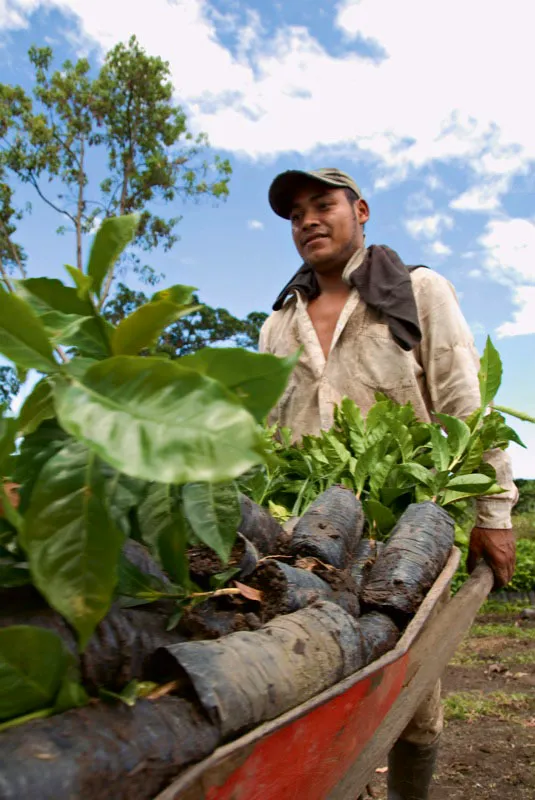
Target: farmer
368,323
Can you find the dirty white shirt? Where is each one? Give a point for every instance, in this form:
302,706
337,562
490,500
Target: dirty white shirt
439,375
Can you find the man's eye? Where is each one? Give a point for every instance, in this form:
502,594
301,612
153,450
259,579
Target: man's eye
324,206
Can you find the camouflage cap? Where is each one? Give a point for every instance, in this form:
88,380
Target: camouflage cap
283,188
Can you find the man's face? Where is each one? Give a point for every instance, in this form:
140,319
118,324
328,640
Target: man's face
326,226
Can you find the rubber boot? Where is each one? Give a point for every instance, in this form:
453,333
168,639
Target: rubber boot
410,770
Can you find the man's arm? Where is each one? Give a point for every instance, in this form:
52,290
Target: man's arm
451,364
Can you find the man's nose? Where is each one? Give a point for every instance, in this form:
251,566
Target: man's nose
309,220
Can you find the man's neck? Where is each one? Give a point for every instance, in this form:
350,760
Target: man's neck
335,281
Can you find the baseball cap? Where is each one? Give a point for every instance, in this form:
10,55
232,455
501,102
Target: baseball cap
283,188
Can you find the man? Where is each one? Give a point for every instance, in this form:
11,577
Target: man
368,323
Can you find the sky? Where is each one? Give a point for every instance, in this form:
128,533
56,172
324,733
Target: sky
423,103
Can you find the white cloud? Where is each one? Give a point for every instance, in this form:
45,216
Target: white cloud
523,321
509,258
509,246
438,248
428,227
475,273
283,92
255,225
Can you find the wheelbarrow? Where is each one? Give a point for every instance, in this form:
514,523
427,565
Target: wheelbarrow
329,747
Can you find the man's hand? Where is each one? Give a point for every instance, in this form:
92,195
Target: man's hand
498,548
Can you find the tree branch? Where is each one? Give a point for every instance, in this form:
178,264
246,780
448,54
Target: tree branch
5,277
13,249
37,188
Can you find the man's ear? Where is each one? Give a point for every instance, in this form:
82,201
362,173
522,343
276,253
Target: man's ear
362,210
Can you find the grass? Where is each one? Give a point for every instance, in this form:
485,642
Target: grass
496,607
470,659
470,706
498,629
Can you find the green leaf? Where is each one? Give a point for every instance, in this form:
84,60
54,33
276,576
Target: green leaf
178,294
82,282
419,473
379,514
258,379
13,573
379,474
130,694
36,449
143,327
403,438
440,451
165,530
470,483
512,413
110,240
32,664
135,584
71,540
8,431
68,319
46,295
38,406
23,338
490,374
157,421
365,465
458,435
213,511
472,459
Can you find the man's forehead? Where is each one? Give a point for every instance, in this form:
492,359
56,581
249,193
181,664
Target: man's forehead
313,191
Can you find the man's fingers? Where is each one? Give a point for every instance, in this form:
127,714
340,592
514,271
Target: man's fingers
474,554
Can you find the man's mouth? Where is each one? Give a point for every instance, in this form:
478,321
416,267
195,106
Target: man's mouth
315,238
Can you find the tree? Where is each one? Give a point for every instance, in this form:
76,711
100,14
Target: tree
204,328
124,118
107,144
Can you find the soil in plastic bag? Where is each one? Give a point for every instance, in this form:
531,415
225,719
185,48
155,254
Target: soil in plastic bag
104,752
247,678
259,527
331,528
411,561
365,558
204,563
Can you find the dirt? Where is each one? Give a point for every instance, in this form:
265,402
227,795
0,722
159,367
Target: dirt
488,745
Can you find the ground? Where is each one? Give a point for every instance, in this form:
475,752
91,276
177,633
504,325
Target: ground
488,747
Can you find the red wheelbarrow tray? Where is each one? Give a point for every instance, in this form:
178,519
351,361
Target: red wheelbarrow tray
329,747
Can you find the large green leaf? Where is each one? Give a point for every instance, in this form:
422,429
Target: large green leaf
382,516
36,449
164,529
458,435
23,338
257,378
213,511
472,459
158,421
490,374
143,327
46,295
83,282
33,662
110,240
470,483
71,540
440,451
68,319
417,472
8,431
38,406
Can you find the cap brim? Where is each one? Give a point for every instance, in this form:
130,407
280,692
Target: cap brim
285,185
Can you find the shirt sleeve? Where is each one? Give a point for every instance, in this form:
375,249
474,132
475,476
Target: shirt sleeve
263,339
451,363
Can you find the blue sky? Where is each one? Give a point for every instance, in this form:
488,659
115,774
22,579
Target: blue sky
419,101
